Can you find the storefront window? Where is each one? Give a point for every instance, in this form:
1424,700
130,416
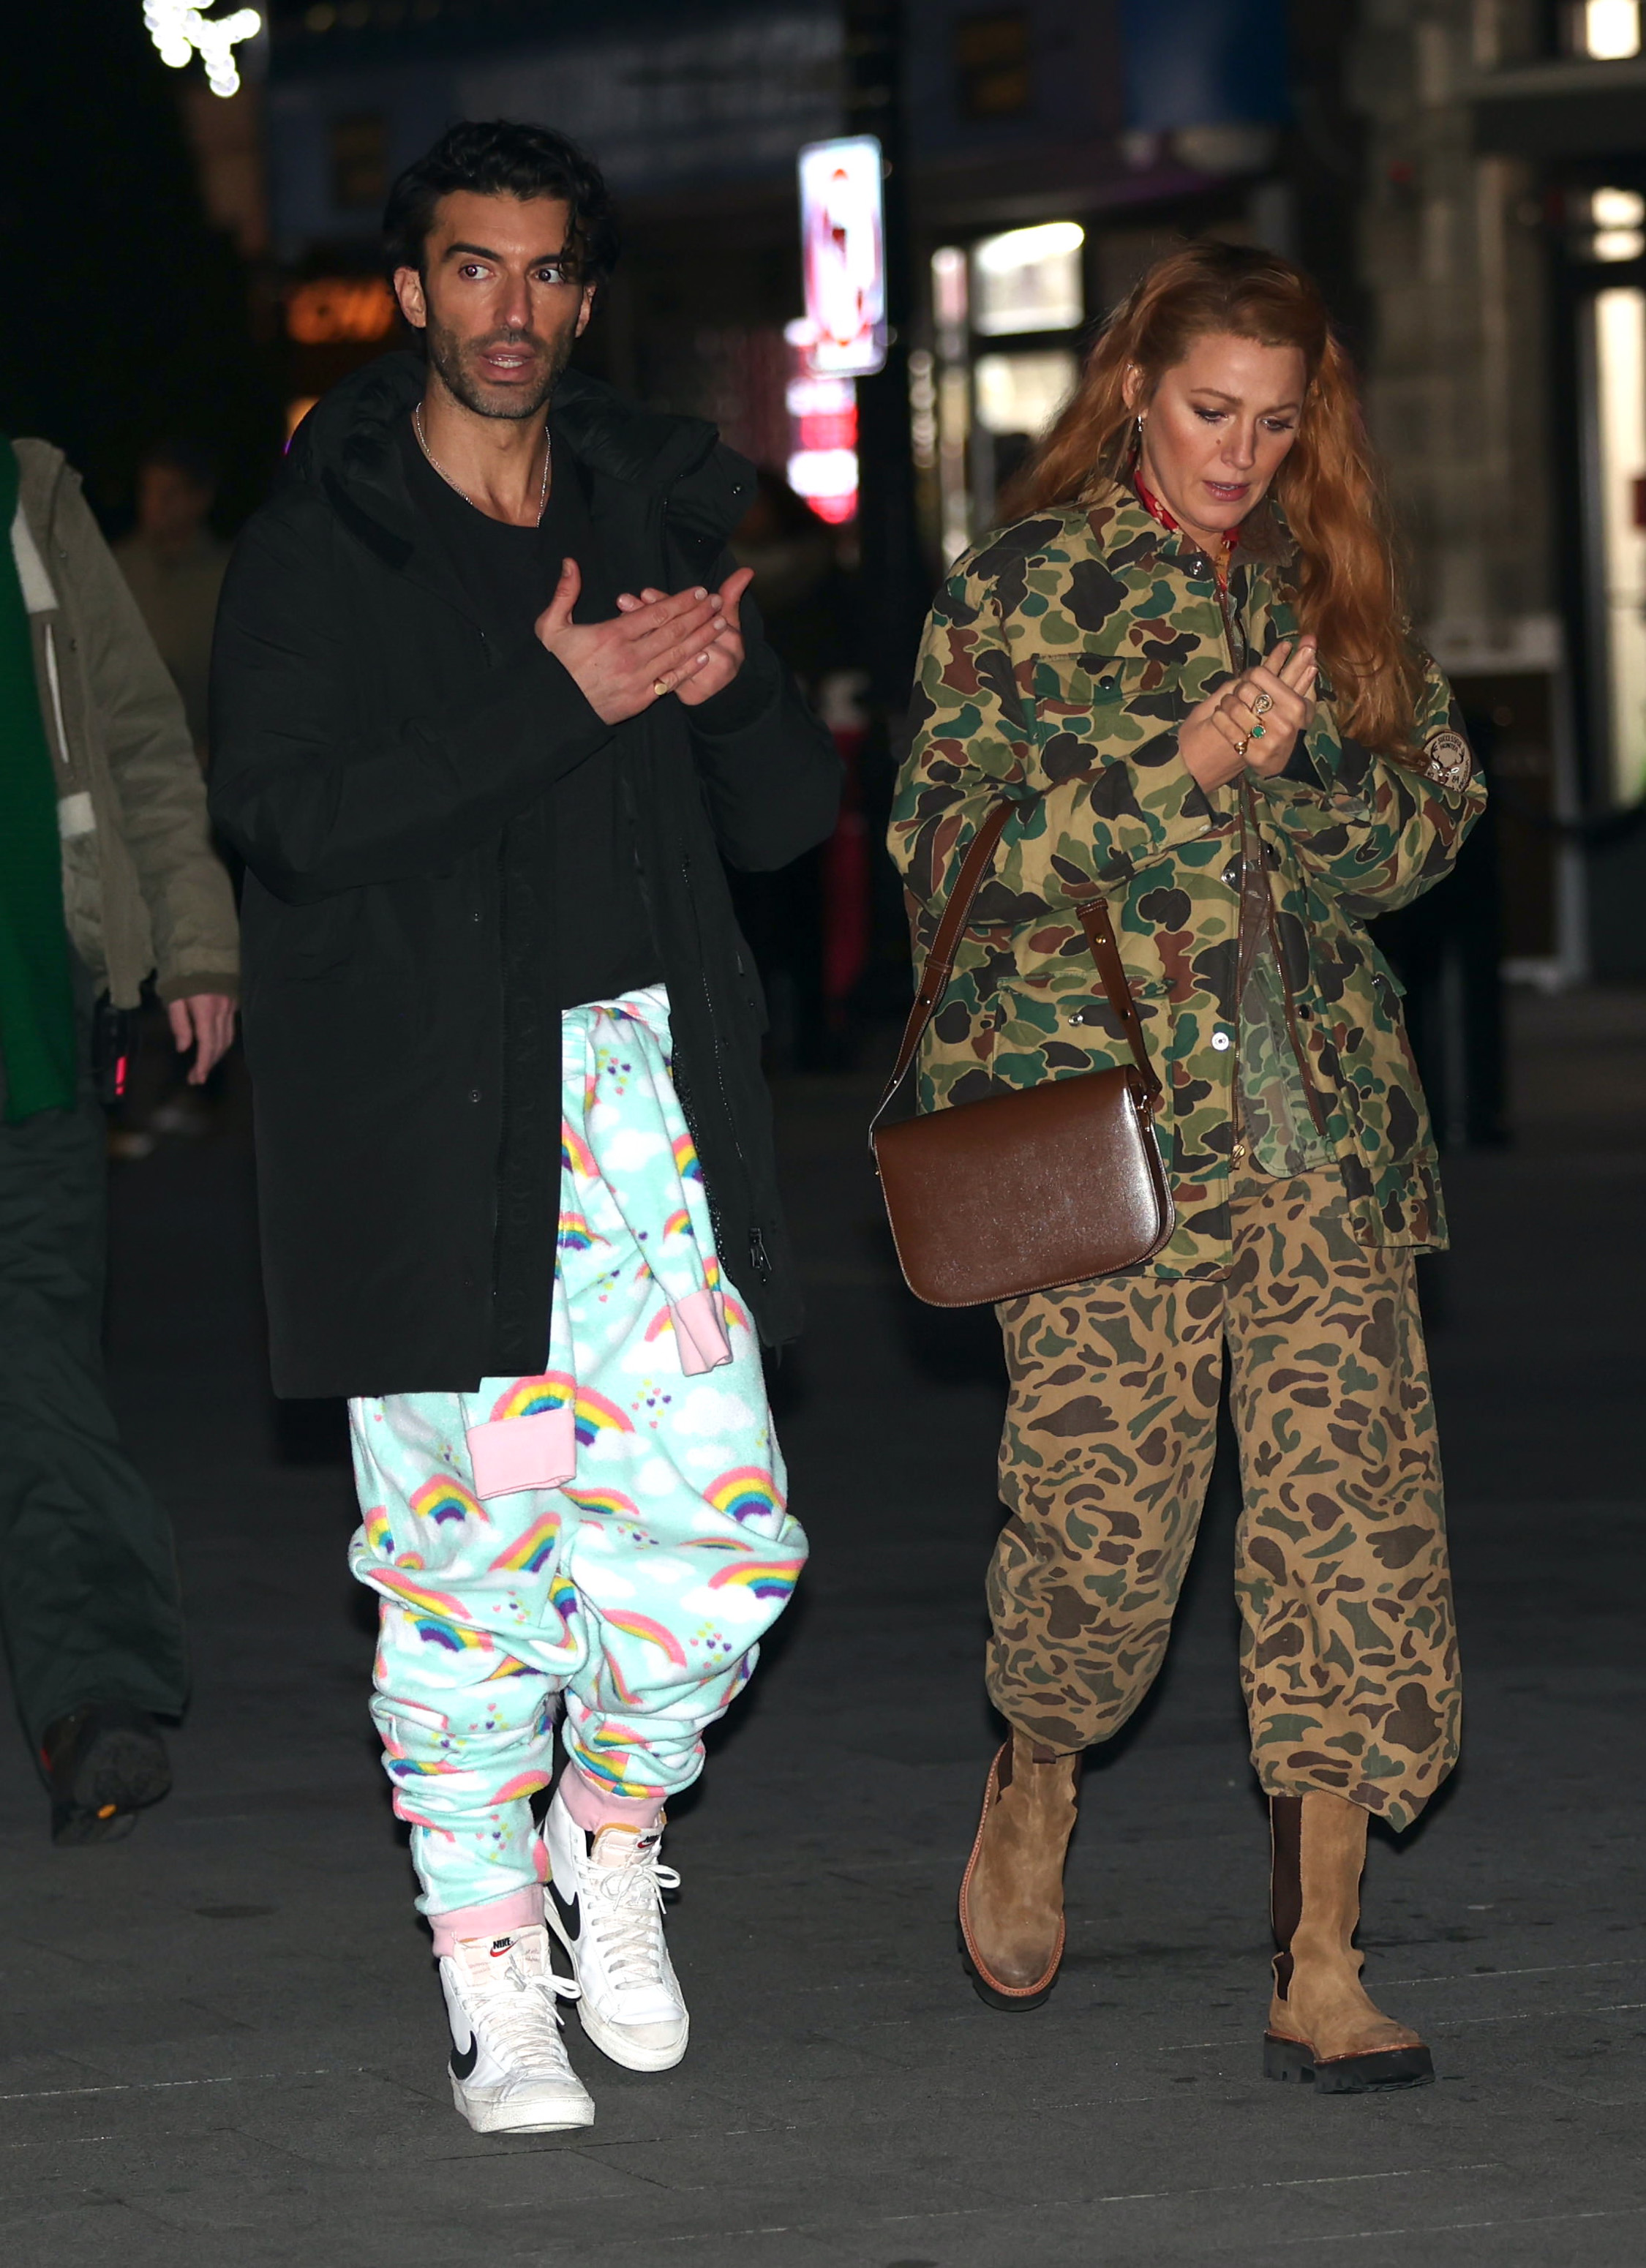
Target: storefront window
1608,30
1618,215
1029,280
1023,393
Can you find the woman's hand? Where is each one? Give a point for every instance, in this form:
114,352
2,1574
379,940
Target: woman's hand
1252,724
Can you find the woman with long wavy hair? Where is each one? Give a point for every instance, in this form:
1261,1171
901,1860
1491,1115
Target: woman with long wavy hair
1188,666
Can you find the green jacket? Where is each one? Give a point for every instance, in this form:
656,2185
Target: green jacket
1059,659
144,891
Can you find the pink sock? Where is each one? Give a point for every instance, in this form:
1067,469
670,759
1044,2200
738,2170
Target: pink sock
592,1807
498,1917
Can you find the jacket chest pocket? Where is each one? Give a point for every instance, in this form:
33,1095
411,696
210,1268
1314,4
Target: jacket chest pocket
1064,687
1086,709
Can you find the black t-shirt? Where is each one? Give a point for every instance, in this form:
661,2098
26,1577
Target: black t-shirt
603,939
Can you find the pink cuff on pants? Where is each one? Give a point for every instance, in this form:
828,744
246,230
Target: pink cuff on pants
524,1453
498,1917
594,1808
699,1332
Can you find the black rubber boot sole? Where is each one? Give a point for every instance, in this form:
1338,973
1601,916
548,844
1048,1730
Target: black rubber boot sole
114,1767
1367,2074
990,1995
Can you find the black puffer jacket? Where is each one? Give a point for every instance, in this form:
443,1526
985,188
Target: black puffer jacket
382,768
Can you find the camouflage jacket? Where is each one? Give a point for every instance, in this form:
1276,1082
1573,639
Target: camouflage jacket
1059,659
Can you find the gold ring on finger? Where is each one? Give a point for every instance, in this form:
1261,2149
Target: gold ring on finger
1262,704
659,686
1241,745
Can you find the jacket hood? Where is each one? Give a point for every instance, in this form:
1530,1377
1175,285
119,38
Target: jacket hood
346,445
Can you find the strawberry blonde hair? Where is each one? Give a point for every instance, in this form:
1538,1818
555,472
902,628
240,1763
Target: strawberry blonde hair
1348,589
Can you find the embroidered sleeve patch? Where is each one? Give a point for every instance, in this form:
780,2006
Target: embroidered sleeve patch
1446,759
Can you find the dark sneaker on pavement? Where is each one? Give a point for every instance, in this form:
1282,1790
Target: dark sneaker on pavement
103,1762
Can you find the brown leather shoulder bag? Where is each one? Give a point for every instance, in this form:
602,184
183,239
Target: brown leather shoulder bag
1021,1191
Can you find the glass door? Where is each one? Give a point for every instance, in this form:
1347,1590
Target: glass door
1614,343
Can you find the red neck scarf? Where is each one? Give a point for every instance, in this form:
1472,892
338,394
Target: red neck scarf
1155,510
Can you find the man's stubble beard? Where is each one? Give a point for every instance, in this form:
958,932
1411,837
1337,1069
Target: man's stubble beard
446,350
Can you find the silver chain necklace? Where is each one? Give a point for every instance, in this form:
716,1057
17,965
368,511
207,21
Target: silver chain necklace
423,442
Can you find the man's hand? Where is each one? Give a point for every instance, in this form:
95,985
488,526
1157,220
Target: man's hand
205,1022
622,666
725,656
1210,738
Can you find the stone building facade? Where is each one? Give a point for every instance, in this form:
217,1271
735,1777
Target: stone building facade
1503,257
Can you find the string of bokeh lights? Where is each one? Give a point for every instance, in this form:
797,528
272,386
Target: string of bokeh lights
181,32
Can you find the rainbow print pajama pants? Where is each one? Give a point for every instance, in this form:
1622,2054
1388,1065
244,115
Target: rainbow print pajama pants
611,1531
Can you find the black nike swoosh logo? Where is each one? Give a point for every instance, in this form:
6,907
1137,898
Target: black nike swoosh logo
463,2064
568,1911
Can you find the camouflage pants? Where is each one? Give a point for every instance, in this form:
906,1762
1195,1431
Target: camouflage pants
1348,1656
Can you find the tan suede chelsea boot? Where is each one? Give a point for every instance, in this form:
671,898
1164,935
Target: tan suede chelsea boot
1012,1897
1322,2027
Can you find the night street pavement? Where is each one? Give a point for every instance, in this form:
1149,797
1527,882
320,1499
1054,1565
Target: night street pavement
221,2042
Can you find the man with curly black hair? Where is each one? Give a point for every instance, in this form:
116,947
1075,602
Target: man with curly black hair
490,706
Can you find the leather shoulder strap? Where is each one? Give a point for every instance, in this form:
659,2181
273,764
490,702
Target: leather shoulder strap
1094,920
934,977
939,967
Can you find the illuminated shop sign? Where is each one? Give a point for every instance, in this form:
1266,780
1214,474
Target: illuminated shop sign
842,239
336,310
823,457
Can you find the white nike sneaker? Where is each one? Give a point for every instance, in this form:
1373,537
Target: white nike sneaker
509,2074
605,1904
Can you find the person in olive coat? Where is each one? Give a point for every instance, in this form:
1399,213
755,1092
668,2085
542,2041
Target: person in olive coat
107,877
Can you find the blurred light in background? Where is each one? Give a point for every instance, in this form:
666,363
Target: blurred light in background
1618,347
1618,215
822,465
948,287
842,245
950,307
1023,393
331,309
181,32
922,411
1029,280
1609,30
